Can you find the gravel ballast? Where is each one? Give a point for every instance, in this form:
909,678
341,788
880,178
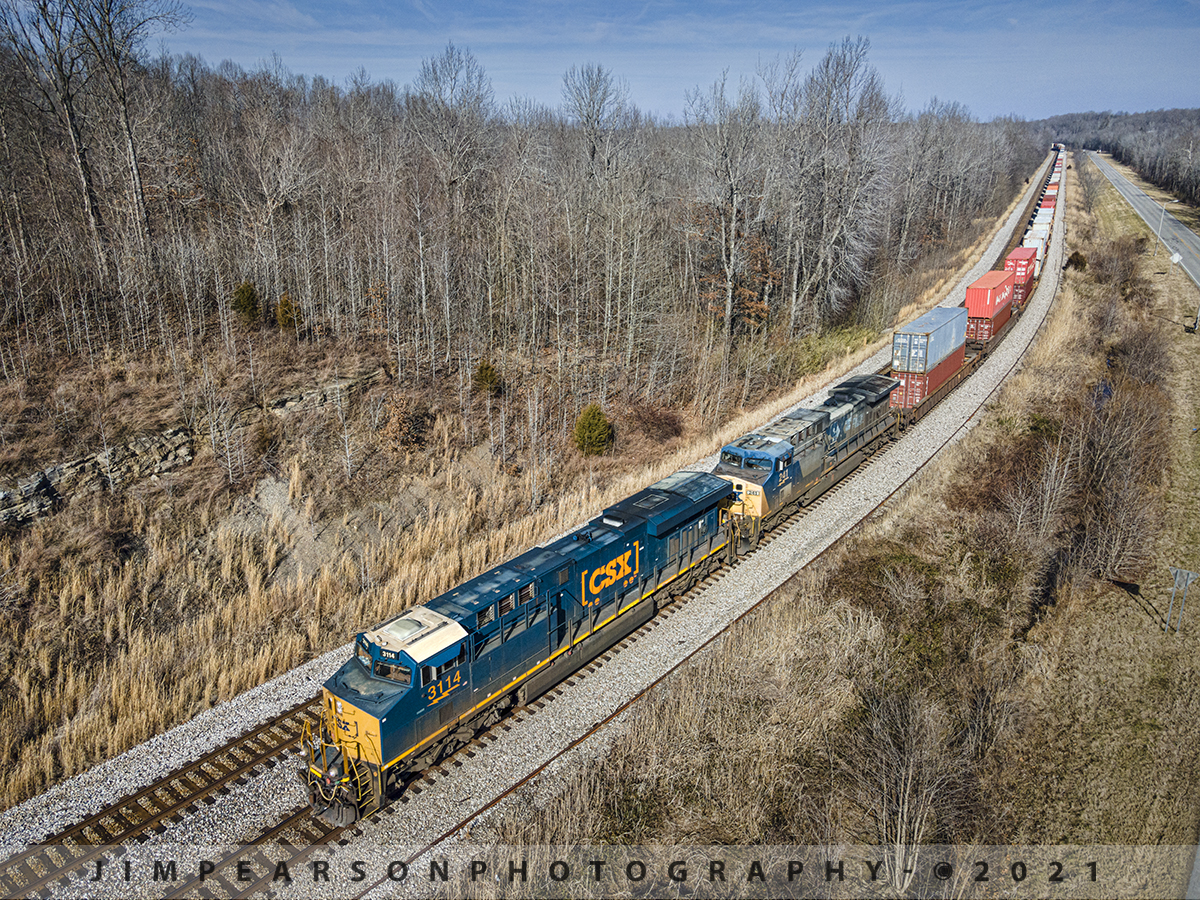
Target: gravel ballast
532,742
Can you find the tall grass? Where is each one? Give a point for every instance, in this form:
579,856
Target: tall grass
125,614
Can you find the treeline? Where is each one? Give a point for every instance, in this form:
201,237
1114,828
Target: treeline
1163,145
590,242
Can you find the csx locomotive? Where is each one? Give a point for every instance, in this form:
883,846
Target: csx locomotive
421,684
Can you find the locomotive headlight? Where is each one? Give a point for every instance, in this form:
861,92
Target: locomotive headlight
339,707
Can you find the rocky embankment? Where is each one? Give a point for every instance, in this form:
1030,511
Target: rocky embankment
147,456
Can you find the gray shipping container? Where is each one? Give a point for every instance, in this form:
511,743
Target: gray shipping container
923,343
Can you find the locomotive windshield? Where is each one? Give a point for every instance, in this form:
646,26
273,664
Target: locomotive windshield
396,673
755,462
731,459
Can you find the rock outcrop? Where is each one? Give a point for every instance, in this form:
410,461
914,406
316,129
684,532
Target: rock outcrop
39,494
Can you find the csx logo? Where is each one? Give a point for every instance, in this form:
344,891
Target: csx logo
613,572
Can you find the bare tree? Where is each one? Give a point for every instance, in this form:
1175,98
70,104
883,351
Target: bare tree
46,37
597,103
905,775
1036,505
847,134
114,32
727,133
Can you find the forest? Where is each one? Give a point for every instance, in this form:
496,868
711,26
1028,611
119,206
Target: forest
187,249
589,243
1162,145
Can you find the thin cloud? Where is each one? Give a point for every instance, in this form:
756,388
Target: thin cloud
1117,54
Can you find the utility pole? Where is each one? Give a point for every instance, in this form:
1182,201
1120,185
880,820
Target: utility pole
1161,219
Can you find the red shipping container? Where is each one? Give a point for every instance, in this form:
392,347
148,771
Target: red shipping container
990,294
1049,203
1021,263
1020,294
983,329
916,387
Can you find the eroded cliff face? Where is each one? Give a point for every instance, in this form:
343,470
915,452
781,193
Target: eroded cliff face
148,456
151,455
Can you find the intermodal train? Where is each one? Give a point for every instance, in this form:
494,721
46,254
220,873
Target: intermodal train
420,685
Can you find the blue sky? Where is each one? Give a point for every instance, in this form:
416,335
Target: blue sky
1030,59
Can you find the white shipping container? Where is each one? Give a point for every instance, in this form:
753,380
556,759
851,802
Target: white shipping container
924,342
1038,244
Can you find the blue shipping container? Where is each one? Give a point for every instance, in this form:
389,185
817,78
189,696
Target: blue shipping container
924,342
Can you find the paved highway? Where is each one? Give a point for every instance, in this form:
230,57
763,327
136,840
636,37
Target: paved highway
1176,237
1186,243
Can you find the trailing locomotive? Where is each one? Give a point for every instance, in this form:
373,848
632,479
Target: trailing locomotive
794,460
422,683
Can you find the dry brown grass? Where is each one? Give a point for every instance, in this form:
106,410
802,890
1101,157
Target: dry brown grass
719,756
122,615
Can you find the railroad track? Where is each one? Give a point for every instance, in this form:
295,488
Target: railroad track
297,835
39,869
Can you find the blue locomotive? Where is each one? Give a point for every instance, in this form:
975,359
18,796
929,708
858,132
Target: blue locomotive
795,459
420,685
423,683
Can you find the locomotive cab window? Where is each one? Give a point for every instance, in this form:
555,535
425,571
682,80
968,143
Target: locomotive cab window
364,656
398,674
426,675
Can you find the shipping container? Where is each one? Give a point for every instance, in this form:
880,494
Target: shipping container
1039,230
1021,293
989,294
1048,203
1039,245
1021,262
916,386
923,343
983,328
